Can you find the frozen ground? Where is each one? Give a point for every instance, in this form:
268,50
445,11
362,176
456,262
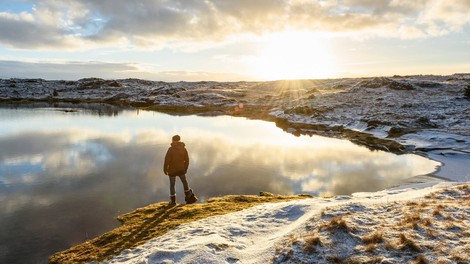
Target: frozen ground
427,222
425,113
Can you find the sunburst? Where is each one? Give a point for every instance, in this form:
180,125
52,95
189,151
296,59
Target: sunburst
294,55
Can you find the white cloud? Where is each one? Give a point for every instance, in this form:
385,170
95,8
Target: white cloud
77,70
150,23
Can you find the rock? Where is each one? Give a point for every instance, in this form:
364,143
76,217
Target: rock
306,110
408,105
379,82
424,122
428,84
90,83
400,86
33,80
375,123
113,84
395,132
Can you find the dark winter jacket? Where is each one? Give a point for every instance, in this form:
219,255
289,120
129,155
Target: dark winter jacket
176,160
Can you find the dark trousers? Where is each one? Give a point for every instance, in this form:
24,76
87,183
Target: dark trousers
173,181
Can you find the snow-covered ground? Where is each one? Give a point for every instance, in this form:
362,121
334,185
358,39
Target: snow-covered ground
280,232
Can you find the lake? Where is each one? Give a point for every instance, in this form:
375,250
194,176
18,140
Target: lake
66,173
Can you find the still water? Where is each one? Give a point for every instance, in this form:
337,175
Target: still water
65,174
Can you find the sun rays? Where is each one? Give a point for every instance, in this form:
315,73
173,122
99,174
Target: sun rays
294,55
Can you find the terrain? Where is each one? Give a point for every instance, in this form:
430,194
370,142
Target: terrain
426,115
398,114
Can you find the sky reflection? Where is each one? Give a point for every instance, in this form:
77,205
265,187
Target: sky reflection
67,175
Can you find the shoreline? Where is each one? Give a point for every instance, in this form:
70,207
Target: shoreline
154,220
255,113
398,114
278,242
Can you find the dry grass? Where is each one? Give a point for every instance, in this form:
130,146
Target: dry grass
431,233
336,224
411,220
459,258
367,260
390,246
431,238
420,260
155,220
373,238
335,259
439,261
436,212
426,222
430,196
408,244
449,225
311,242
423,204
370,247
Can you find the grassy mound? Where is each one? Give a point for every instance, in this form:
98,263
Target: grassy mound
155,220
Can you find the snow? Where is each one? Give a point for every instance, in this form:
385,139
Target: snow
254,235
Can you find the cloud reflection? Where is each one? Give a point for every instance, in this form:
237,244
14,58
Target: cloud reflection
68,186
342,170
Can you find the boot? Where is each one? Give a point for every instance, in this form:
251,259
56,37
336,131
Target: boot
172,200
189,197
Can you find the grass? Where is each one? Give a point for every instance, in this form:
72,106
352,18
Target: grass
420,260
436,212
431,233
409,244
311,242
373,238
155,220
427,222
336,224
411,220
407,233
335,259
370,247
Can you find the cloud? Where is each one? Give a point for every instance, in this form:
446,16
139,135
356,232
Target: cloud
148,23
70,70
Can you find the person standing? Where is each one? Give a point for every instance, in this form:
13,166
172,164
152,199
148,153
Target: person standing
176,165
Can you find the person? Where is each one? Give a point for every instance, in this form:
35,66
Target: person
176,165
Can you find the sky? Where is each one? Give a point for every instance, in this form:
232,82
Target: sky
232,40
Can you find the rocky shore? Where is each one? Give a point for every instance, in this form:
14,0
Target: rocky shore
397,114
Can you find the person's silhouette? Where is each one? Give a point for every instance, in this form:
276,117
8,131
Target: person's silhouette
176,165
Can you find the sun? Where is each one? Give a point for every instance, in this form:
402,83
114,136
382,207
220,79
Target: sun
293,55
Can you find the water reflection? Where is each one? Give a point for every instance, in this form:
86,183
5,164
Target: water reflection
63,178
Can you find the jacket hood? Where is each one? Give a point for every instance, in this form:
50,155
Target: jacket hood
177,144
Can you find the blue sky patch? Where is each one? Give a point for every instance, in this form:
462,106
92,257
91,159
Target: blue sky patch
15,6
